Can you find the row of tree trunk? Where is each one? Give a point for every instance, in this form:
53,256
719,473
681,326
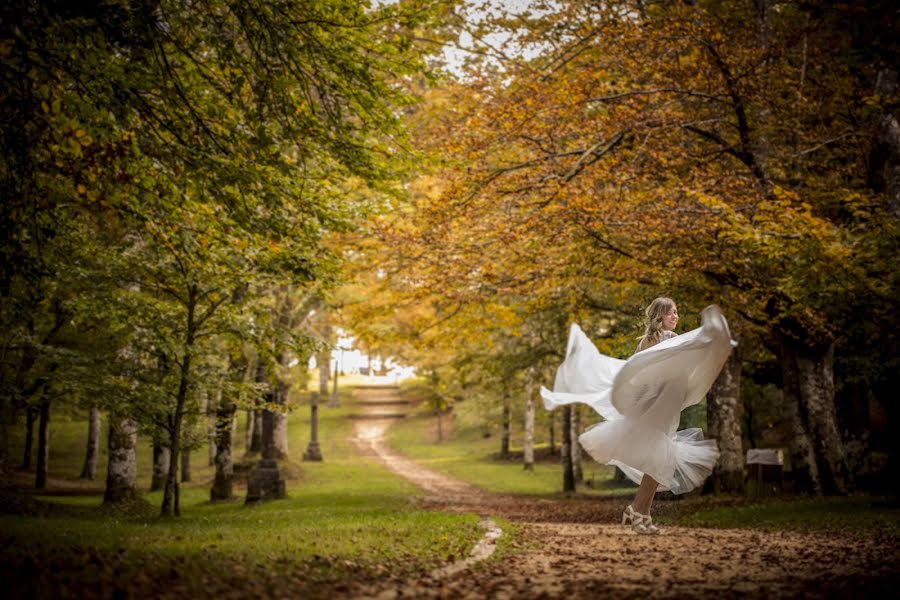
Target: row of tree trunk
122,470
818,461
570,450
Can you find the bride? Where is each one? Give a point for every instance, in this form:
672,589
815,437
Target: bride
640,401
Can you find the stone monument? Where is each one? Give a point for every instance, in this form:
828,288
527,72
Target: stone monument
265,481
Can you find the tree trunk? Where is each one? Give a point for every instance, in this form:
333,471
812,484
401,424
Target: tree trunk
256,433
264,416
574,446
333,401
268,434
225,412
43,450
93,445
121,471
566,450
723,418
440,427
248,435
748,423
161,461
279,418
222,488
323,359
551,425
809,396
31,416
804,471
185,466
171,504
528,444
884,156
504,437
279,435
212,401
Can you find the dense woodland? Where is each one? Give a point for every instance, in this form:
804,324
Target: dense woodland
197,195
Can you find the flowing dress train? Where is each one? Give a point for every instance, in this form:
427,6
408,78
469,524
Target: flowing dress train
641,399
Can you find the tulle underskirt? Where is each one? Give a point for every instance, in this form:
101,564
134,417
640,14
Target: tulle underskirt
679,462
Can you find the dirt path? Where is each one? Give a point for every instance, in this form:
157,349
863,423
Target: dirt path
576,549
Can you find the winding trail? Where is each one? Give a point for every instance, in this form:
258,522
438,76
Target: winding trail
574,548
369,431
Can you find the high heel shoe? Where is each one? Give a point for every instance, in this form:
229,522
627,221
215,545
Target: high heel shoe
642,524
648,524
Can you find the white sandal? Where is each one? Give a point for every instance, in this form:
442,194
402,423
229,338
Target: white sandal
642,524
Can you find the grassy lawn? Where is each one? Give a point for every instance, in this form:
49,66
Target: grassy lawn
345,517
466,454
837,514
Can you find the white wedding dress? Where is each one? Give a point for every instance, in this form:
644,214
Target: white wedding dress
640,401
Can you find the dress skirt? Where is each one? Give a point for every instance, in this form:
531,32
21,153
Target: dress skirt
641,399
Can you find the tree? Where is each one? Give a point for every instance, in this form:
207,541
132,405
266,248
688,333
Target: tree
121,470
670,147
89,471
723,417
528,445
229,400
200,157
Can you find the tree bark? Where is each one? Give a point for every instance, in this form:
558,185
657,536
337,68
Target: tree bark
323,359
171,504
248,435
723,418
161,461
528,444
551,426
265,417
89,471
804,470
121,471
31,416
255,433
268,434
884,156
186,466
212,401
279,417
223,482
43,450
255,445
225,411
504,437
574,446
566,451
809,396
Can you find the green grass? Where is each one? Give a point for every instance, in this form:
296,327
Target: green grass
467,455
854,513
346,514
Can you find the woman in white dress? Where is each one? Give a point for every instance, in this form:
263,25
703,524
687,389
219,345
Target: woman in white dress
641,399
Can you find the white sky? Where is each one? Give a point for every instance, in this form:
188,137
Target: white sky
477,11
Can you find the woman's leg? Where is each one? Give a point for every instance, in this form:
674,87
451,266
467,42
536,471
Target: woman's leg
644,496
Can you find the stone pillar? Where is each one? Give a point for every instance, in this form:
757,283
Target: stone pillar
313,452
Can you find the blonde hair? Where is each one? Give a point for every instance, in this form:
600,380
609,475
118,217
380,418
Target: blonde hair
653,319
